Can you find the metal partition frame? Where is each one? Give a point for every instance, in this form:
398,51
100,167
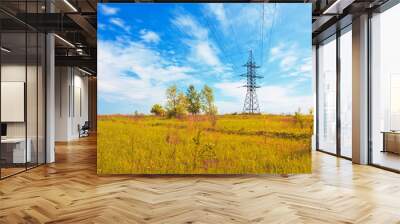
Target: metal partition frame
387,5
44,82
324,36
340,30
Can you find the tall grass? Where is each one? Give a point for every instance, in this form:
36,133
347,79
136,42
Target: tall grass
226,144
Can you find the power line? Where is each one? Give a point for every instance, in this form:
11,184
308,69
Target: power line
251,105
235,39
270,33
219,41
262,37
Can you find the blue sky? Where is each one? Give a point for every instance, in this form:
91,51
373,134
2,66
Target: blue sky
144,48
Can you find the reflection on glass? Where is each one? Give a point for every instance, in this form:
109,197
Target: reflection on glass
22,91
14,153
327,96
31,101
346,94
41,98
395,102
386,89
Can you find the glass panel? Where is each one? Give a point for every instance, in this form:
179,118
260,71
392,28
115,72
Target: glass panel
41,99
327,96
386,89
31,100
13,86
22,90
32,90
346,94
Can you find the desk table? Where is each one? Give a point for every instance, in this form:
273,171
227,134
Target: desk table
391,141
16,147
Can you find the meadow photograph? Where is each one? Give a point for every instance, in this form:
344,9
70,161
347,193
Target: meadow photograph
206,88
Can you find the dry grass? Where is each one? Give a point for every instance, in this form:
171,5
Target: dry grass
226,144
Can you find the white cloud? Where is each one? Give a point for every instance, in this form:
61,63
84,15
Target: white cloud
283,50
130,72
149,36
107,10
217,10
233,98
188,25
272,98
287,62
301,71
234,20
306,66
120,23
283,99
202,48
231,88
293,61
101,26
205,52
286,54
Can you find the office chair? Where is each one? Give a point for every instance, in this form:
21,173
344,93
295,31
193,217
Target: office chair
84,130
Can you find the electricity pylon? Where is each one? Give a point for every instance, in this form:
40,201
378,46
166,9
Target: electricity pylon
251,105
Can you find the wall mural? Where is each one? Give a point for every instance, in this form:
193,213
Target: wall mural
204,88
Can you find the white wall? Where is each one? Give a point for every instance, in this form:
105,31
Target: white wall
71,94
62,81
16,73
33,126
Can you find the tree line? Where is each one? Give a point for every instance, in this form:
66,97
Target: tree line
181,103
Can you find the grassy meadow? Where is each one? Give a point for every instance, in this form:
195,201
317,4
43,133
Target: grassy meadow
222,144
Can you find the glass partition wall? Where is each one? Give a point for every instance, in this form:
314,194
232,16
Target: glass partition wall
385,89
334,90
327,95
22,94
334,82
345,61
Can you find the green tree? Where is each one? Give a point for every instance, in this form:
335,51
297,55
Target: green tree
158,110
193,100
181,106
176,102
172,100
207,101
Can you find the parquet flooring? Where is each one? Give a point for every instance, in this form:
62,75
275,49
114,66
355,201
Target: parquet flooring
69,191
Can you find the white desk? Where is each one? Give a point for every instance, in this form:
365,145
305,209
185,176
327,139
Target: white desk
18,154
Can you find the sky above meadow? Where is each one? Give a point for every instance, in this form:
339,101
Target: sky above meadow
145,48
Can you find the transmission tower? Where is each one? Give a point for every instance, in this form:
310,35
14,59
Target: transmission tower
251,105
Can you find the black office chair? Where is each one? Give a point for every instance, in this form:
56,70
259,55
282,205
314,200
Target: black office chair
84,130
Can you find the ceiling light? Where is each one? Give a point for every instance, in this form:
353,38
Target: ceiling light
70,5
84,71
65,41
5,50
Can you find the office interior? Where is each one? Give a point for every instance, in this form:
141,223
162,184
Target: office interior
356,72
48,79
48,92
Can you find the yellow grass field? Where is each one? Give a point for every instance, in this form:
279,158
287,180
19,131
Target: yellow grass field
225,144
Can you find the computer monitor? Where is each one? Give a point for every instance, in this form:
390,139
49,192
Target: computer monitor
3,129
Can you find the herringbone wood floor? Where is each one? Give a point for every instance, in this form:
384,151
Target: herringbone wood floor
69,191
